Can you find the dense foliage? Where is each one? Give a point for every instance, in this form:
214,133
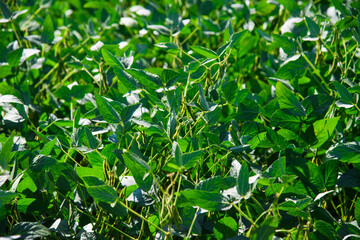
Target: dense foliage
179,119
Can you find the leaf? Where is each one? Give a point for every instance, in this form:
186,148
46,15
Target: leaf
346,152
339,6
126,81
292,67
287,44
350,179
284,119
29,230
91,141
6,196
47,35
326,229
267,229
48,147
79,91
168,46
6,152
13,58
41,162
207,200
106,110
204,52
63,93
357,211
176,153
225,228
99,190
215,184
330,172
6,12
243,185
292,6
191,159
323,130
111,59
203,103
346,97
313,27
149,80
287,100
139,169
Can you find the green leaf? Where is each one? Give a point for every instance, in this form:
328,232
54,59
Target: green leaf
5,10
225,228
99,190
79,91
168,46
41,162
323,130
267,229
346,152
106,110
243,185
203,103
287,100
339,6
207,200
285,119
91,141
292,6
176,153
6,196
6,152
63,93
313,27
87,171
147,79
48,147
204,52
126,81
330,171
111,59
192,159
292,67
357,211
29,230
326,229
287,44
140,170
47,35
13,58
343,92
216,184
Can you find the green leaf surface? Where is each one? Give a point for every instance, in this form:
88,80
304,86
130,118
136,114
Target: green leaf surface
343,92
287,100
204,52
243,185
140,170
47,35
30,230
207,200
225,228
323,130
99,190
111,59
41,162
266,231
106,110
6,151
346,152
